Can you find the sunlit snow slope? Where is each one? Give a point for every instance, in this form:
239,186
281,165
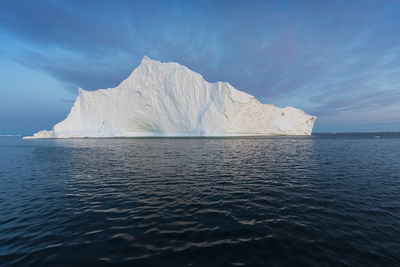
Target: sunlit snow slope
168,99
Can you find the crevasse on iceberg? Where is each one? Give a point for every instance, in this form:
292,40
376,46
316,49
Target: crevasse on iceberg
168,99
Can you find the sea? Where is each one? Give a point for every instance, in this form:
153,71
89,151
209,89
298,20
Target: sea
322,200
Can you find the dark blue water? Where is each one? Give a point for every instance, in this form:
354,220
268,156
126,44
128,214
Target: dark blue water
321,200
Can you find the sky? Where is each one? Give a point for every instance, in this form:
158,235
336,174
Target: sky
338,60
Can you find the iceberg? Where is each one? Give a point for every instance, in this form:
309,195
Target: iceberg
168,99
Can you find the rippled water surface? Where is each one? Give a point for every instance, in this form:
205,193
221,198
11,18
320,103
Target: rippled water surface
321,200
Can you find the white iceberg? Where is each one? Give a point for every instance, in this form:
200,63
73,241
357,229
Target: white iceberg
168,99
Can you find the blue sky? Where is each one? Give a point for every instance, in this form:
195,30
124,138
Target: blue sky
339,60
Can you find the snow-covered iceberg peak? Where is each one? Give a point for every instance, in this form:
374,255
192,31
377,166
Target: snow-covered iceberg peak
168,99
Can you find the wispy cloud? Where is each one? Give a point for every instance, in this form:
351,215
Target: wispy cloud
333,57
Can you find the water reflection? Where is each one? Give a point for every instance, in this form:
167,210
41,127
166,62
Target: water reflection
202,201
